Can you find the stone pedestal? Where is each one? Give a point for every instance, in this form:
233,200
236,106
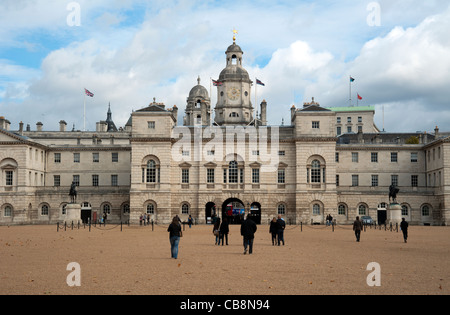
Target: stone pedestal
394,213
73,213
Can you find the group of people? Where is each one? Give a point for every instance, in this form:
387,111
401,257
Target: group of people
248,230
358,227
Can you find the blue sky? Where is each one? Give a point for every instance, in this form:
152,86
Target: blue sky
127,52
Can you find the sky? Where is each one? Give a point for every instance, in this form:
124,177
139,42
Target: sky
128,52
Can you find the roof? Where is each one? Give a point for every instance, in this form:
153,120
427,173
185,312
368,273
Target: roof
352,108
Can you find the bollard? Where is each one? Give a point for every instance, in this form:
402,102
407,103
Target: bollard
301,226
120,226
57,226
332,226
152,225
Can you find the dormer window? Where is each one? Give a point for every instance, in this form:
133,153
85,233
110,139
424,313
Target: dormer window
234,114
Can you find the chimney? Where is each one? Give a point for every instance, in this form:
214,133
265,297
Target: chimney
62,126
293,109
264,113
175,113
436,132
39,126
21,128
2,122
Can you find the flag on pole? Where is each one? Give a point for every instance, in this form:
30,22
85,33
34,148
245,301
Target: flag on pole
259,82
352,79
217,83
359,97
88,93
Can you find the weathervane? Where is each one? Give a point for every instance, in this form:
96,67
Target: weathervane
234,36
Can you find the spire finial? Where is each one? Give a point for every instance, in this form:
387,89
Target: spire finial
234,36
198,80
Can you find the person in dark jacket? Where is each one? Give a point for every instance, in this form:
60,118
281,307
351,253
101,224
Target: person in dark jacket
404,228
281,225
223,231
175,234
273,230
248,229
357,227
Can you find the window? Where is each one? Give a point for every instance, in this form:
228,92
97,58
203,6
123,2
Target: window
126,208
255,175
95,180
57,157
185,209
414,157
336,157
185,153
414,180
338,120
425,210
349,129
316,125
362,210
394,157
185,176
107,209
255,152
281,176
359,119
281,209
56,180
44,210
355,180
374,157
7,212
355,157
360,129
76,180
114,157
315,171
76,158
151,124
114,180
210,176
95,157
338,131
405,210
152,172
150,208
349,119
281,153
211,152
337,180
341,210
316,209
9,178
374,180
233,172
394,180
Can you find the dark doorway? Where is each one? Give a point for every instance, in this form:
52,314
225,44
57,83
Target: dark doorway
255,212
382,216
233,209
86,216
210,210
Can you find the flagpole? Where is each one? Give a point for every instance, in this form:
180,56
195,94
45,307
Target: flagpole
256,98
350,91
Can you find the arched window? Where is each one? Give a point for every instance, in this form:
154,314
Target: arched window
316,209
342,209
281,209
425,210
107,209
150,208
315,171
44,210
8,211
362,210
151,172
405,210
184,208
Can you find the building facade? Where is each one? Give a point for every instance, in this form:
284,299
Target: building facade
325,161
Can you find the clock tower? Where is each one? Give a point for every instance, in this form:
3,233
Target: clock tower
233,91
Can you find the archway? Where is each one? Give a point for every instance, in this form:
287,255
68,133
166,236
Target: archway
255,212
210,210
234,210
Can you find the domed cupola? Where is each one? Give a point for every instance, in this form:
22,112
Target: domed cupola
198,108
234,105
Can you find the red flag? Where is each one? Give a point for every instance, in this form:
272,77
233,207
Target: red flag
217,83
359,97
88,93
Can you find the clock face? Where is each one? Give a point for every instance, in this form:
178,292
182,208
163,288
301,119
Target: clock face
233,93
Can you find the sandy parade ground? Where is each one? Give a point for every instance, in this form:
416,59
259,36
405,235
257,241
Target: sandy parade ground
136,260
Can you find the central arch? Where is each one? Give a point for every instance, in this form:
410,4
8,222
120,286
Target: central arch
234,210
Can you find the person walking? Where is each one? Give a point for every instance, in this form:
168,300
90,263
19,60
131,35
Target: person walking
190,221
404,227
357,227
216,230
224,230
273,230
248,229
175,234
281,225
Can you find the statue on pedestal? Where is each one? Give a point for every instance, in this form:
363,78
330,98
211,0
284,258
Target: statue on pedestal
73,193
393,191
